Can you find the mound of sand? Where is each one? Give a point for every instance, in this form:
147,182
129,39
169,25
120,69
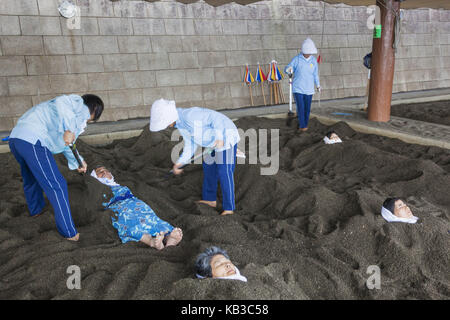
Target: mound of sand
308,232
435,112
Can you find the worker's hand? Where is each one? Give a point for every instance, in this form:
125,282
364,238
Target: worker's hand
176,170
83,169
69,137
319,89
290,70
218,144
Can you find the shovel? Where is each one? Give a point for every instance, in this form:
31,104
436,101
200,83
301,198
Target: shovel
290,115
207,151
73,147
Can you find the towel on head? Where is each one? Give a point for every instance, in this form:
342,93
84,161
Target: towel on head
236,276
108,182
390,217
329,141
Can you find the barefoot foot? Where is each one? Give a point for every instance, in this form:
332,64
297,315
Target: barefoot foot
76,238
156,242
174,237
209,203
226,212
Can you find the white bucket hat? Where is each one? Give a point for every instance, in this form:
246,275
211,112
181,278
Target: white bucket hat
308,47
163,113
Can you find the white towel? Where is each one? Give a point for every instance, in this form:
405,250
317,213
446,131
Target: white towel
390,217
108,182
329,141
236,276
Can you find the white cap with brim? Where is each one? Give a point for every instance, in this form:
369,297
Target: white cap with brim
308,47
163,113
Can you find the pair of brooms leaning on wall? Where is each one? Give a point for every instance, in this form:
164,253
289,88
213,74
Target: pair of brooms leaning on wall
50,127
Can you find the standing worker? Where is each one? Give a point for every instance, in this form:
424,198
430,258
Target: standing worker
306,73
49,128
206,128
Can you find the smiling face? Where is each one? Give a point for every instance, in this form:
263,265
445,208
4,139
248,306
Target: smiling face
102,172
221,266
401,210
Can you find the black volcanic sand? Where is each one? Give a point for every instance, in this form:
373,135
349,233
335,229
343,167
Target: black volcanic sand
435,112
308,232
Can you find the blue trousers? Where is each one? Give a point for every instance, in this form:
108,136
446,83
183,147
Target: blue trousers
219,167
40,173
303,102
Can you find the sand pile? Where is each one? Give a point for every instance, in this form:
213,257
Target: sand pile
435,112
308,232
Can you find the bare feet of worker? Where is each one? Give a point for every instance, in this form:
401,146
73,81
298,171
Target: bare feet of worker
157,242
209,203
76,238
226,212
174,237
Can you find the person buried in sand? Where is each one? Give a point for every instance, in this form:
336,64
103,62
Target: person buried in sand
136,221
331,138
306,73
215,263
206,128
396,210
49,128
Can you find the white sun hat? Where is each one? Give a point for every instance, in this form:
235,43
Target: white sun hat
163,113
308,47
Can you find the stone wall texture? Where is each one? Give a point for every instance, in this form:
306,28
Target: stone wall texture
133,52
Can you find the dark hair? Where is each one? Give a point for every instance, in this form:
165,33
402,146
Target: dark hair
329,133
95,105
203,262
389,204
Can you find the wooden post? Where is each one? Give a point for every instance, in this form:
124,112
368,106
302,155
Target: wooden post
383,63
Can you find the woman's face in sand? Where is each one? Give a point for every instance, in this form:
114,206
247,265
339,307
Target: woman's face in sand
102,172
221,266
334,137
401,210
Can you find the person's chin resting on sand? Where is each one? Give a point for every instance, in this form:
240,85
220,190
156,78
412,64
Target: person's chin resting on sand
136,221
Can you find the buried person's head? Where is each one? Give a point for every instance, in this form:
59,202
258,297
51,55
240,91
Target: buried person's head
331,138
102,174
214,262
396,210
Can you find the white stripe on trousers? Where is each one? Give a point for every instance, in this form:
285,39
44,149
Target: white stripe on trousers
228,177
48,181
62,192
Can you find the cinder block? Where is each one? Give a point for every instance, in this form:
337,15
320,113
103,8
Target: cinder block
98,8
198,43
88,27
308,27
69,83
249,42
212,59
200,76
6,123
84,63
126,98
170,78
134,44
28,85
216,91
346,27
19,7
12,66
138,112
179,27
331,82
106,81
115,26
120,62
241,58
40,65
140,79
152,94
335,41
208,27
99,44
15,105
183,60
349,54
187,93
131,9
22,45
241,90
4,86
35,26
234,27
63,45
148,27
48,7
222,43
153,61
353,81
356,40
167,44
9,26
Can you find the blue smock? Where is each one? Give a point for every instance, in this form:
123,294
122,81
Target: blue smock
306,74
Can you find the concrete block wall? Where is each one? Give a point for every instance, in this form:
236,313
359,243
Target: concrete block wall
133,52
